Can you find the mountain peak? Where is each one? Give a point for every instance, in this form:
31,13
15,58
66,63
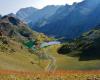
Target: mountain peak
24,12
28,8
32,17
12,19
51,6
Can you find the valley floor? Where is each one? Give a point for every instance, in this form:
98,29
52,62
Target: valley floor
24,61
25,66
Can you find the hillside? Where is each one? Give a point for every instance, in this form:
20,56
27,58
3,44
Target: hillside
86,47
14,53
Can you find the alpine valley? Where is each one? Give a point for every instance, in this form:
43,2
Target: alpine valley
56,37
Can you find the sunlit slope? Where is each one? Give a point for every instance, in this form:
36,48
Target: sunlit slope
22,60
64,62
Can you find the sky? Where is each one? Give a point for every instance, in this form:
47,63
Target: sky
12,6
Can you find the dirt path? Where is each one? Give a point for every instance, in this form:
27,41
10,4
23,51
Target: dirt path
52,65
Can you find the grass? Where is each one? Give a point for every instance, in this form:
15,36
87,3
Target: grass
65,62
18,66
21,60
18,61
58,75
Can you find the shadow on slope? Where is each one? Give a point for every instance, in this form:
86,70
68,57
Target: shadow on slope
87,47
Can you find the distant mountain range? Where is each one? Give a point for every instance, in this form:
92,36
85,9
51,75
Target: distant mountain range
32,15
68,21
24,13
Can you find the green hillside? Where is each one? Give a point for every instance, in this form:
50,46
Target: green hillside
15,41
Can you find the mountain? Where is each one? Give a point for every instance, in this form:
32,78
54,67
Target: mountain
24,13
36,15
17,37
12,27
86,47
13,33
70,21
0,16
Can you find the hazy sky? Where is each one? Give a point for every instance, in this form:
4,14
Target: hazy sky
11,6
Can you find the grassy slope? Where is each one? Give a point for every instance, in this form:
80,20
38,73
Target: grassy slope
71,63
21,60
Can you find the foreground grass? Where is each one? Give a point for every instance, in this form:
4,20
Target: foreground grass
57,75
